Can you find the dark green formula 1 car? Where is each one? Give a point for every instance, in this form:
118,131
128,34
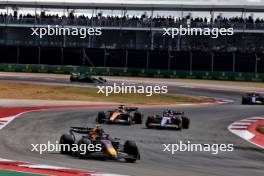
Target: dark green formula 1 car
84,77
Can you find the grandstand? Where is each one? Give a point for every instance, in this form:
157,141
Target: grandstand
132,36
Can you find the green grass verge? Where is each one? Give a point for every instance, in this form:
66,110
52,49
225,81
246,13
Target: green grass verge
16,173
15,90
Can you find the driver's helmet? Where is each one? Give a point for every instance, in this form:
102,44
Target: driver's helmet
121,107
165,112
98,129
95,131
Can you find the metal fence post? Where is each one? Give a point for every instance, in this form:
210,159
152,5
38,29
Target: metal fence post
39,55
17,57
152,40
191,60
126,58
234,62
212,66
147,66
62,56
105,57
83,59
169,60
256,63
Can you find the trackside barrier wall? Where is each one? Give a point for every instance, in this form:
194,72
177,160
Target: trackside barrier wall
241,76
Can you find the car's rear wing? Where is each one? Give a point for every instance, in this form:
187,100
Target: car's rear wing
178,112
80,130
131,108
75,73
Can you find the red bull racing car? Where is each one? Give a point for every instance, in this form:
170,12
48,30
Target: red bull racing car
95,143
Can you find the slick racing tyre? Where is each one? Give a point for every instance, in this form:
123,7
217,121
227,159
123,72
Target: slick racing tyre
100,118
102,79
82,154
138,118
179,123
149,121
130,148
69,141
244,101
73,79
185,123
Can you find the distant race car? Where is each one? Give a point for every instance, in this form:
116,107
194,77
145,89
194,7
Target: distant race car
105,146
121,115
253,98
84,77
169,119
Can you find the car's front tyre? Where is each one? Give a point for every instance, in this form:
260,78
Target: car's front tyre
244,100
138,118
130,148
66,142
149,121
185,123
101,118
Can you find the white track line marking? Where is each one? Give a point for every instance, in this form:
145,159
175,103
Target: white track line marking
248,120
243,134
5,160
256,118
41,166
7,120
107,175
242,131
238,127
241,123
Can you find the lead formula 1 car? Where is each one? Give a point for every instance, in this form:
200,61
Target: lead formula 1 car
95,143
253,98
121,115
169,120
84,77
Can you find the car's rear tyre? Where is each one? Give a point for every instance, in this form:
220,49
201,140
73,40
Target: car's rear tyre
185,123
245,100
72,79
102,79
179,123
149,121
83,154
100,118
67,141
130,148
138,118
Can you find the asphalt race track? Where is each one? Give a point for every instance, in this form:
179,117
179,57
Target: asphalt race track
208,125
